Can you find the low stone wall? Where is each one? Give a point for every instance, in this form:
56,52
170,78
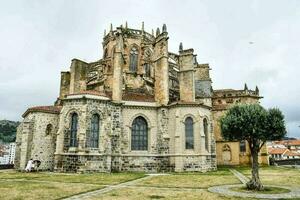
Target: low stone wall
83,163
131,163
146,163
198,163
6,166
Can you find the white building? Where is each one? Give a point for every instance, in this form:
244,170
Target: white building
8,155
12,152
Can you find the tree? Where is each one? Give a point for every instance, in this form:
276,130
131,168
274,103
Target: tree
256,125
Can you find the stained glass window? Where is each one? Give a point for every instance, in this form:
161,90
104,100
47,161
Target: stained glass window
189,133
74,122
139,134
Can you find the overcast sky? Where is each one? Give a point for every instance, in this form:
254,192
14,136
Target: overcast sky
256,42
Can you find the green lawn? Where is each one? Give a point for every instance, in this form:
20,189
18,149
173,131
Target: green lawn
276,175
192,180
96,178
26,189
162,194
191,186
45,185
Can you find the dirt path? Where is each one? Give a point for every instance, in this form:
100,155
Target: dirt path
107,189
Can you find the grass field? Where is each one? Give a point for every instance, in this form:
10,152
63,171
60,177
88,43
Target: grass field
192,186
162,194
43,185
276,175
192,180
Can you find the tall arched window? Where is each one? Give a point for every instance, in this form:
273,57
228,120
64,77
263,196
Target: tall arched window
205,127
94,133
133,59
189,133
139,134
147,69
74,123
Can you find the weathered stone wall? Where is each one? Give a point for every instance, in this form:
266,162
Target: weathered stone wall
203,88
198,163
187,86
228,156
161,68
44,142
18,146
64,84
83,162
118,61
222,101
237,157
78,76
148,160
146,163
199,154
186,75
202,72
129,113
33,140
109,135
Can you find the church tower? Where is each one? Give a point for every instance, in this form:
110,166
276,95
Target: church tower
161,67
118,62
186,75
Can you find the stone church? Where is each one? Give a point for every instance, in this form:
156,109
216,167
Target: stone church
138,108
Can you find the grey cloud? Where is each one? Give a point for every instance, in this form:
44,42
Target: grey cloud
40,38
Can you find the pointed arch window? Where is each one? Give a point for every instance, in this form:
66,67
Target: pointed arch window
139,134
133,59
205,127
94,132
147,69
189,133
74,126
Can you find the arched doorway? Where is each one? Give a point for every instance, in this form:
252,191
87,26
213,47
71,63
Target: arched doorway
226,154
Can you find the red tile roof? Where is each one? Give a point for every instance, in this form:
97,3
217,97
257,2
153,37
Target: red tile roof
129,96
292,153
283,151
288,142
277,150
45,109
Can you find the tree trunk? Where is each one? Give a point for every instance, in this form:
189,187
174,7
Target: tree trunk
254,183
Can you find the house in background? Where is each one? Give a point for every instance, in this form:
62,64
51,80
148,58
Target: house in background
285,149
7,153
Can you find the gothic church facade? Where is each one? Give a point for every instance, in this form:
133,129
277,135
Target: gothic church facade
138,108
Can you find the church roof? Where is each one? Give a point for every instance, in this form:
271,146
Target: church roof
129,96
45,109
92,92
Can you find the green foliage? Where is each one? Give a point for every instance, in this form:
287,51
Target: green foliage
8,131
253,122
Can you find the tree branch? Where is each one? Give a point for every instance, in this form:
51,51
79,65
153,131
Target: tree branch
262,144
250,143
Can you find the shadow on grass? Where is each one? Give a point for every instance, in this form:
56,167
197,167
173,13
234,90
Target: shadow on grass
266,190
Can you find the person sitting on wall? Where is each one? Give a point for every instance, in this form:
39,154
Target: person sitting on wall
36,164
29,165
